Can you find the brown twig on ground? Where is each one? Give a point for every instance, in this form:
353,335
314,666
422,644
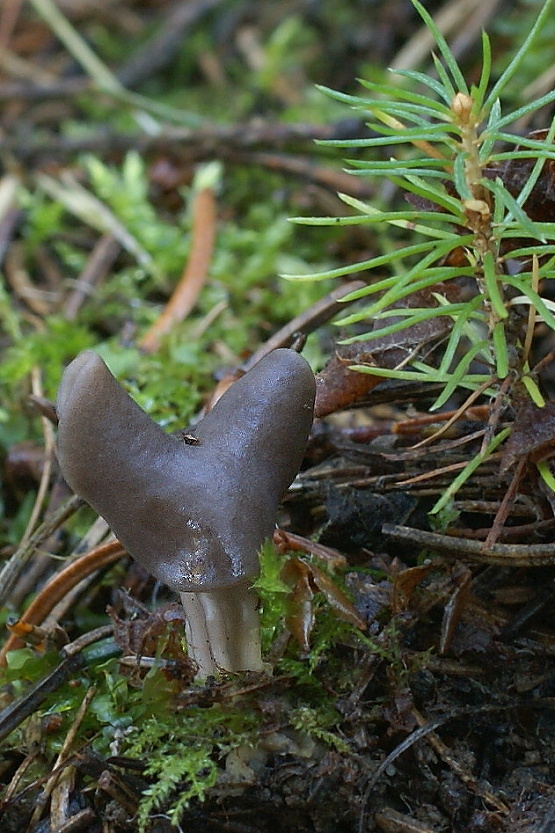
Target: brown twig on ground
61,584
48,435
390,821
8,20
96,268
186,292
449,19
506,504
306,322
37,300
505,555
73,658
166,41
305,167
424,731
13,568
60,767
206,142
284,540
460,771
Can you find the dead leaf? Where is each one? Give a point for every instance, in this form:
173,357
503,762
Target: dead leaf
337,387
533,434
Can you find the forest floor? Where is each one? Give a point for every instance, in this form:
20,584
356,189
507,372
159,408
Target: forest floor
149,144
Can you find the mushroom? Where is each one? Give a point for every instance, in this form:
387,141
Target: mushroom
193,511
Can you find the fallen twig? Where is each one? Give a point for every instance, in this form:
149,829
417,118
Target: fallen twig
60,584
505,555
306,322
74,656
203,234
16,564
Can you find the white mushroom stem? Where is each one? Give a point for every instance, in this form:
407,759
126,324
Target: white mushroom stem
223,629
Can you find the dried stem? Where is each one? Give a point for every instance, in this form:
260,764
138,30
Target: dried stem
59,585
186,292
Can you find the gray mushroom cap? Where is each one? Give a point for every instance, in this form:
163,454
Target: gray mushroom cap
195,515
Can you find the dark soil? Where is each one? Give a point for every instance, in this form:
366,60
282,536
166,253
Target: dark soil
447,719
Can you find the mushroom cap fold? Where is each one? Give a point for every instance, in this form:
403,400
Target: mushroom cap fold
195,515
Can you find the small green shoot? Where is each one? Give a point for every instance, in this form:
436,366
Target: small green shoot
471,228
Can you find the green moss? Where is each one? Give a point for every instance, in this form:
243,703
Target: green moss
183,752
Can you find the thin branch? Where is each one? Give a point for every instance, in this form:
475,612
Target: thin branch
59,585
185,294
17,563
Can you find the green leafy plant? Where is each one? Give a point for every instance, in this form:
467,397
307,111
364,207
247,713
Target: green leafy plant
472,185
